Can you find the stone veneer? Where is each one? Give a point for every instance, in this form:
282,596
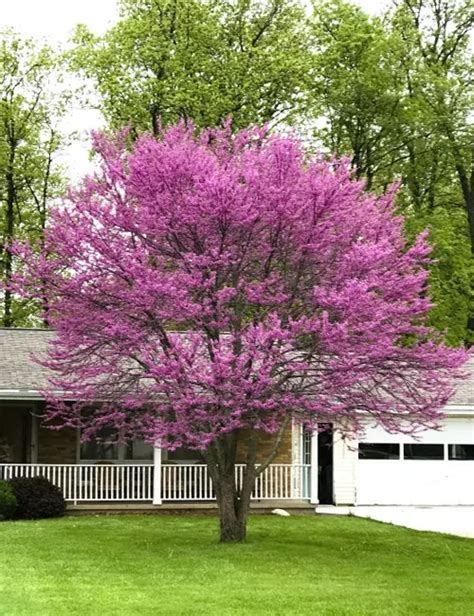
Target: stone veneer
265,447
57,446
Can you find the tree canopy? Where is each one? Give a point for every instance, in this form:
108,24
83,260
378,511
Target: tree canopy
392,92
208,287
201,60
31,107
396,94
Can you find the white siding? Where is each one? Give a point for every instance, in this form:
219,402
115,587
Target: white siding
296,431
344,470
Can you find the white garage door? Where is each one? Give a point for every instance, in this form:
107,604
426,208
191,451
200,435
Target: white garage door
436,469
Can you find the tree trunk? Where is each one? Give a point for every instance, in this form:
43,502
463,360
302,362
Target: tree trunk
9,230
233,503
233,512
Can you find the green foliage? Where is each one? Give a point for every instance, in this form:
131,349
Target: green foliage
394,93
452,273
201,60
31,106
355,88
8,501
37,498
397,95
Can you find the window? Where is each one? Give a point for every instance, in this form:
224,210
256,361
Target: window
379,451
139,450
306,446
460,452
105,450
100,449
423,451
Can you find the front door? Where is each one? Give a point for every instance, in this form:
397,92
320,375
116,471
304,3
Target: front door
325,466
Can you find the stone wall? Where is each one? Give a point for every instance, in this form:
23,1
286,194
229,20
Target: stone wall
265,446
57,446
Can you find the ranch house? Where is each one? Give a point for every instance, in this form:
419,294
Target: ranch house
310,469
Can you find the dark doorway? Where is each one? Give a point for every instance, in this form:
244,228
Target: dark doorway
325,465
15,432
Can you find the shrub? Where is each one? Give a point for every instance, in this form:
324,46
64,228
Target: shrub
7,501
36,498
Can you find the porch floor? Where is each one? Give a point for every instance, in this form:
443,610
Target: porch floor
292,506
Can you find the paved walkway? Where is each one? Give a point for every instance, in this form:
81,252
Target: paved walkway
449,519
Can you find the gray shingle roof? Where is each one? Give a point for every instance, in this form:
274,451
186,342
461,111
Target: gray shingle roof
21,376
18,372
464,395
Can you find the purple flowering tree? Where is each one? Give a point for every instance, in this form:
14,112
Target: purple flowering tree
208,289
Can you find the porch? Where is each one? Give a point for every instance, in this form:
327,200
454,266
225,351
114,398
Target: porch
105,475
156,483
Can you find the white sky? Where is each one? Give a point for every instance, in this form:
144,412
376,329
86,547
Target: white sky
54,21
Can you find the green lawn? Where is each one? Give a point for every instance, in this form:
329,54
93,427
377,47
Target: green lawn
146,565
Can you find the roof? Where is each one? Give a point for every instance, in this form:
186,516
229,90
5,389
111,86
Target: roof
464,395
23,378
20,376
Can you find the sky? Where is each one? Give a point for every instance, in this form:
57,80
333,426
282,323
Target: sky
54,21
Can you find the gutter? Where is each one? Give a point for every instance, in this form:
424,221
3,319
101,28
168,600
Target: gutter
22,394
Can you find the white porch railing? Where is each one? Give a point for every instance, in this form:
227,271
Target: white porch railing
179,482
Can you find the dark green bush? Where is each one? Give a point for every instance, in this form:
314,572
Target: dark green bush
7,501
37,498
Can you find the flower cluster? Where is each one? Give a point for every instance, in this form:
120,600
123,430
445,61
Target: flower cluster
200,284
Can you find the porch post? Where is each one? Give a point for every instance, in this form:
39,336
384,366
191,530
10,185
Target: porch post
314,500
34,438
157,475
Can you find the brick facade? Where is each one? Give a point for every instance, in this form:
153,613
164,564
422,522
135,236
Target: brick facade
60,446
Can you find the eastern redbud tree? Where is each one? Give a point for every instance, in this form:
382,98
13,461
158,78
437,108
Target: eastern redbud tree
208,288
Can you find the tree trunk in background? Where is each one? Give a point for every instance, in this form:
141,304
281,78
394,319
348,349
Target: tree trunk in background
9,229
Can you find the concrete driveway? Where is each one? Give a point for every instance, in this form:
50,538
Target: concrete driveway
449,519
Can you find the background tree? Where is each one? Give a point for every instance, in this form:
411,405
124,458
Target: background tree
203,60
396,94
30,138
438,74
294,292
356,90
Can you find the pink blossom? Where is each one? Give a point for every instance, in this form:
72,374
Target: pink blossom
203,284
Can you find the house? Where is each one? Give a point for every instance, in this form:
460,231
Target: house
320,468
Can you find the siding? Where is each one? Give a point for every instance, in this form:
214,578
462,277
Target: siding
345,461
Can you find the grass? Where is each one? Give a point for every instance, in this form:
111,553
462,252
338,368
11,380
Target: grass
148,565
